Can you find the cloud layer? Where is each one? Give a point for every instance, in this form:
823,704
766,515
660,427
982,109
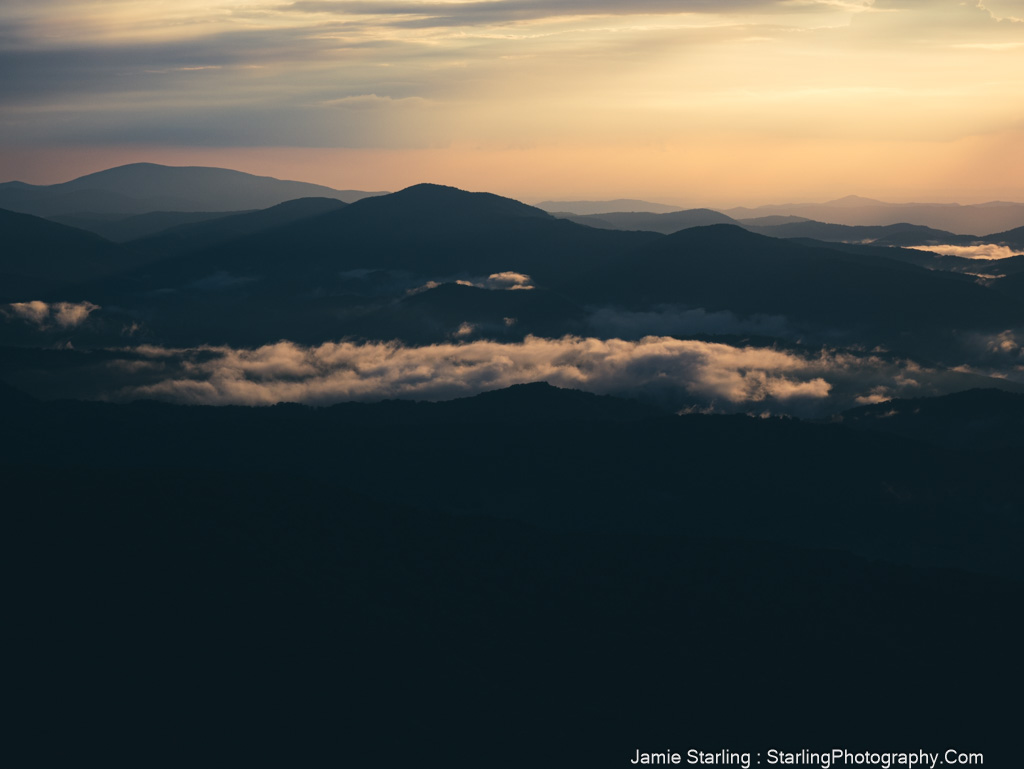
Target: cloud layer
676,373
985,251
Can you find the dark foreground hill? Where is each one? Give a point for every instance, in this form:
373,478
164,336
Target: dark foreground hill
507,455
249,584
985,420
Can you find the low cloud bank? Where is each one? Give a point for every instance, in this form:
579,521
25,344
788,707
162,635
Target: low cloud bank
984,251
43,315
677,373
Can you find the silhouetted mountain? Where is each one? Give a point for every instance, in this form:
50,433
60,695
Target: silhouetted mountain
534,402
39,256
926,259
976,419
1009,266
664,223
145,187
426,230
319,278
189,236
1013,238
726,267
961,219
1012,285
585,573
604,467
120,228
901,234
593,207
284,619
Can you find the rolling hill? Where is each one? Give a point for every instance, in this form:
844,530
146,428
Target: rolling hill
146,187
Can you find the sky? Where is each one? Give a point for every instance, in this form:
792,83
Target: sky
690,102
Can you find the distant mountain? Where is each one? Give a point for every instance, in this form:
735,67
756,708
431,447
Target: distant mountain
853,201
901,234
960,219
147,187
974,419
724,267
120,228
770,221
969,268
591,207
663,223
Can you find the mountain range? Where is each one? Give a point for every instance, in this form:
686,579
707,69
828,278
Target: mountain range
857,211
439,462
313,270
147,187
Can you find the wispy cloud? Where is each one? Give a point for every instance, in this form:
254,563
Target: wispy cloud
501,11
44,315
633,98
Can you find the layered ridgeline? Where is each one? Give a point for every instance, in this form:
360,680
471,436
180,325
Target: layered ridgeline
708,317
147,187
591,574
858,211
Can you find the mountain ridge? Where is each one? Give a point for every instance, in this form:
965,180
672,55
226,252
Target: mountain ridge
146,187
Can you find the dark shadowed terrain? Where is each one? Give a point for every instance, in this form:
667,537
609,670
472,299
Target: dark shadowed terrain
438,478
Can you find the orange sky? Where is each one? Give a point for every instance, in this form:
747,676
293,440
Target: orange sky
686,102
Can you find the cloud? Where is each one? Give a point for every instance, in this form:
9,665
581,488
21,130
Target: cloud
498,281
678,374
347,371
988,251
60,314
428,14
509,281
35,312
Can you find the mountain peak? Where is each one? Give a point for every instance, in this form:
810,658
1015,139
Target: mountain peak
442,200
